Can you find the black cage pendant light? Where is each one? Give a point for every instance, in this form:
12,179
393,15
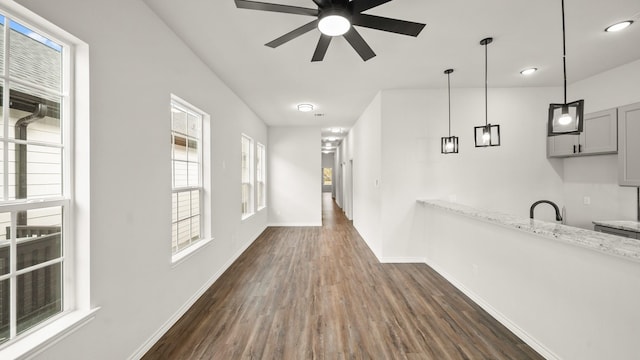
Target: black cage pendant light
565,118
449,144
487,134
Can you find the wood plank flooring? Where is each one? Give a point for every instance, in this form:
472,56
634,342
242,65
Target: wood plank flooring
319,293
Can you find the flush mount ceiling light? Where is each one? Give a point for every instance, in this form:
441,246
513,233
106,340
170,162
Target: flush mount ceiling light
334,23
337,18
487,134
449,144
565,118
619,26
336,130
528,71
305,107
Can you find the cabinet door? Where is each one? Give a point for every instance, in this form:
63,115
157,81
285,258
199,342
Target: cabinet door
600,135
562,145
629,149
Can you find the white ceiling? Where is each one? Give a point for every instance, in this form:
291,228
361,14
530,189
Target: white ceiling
526,34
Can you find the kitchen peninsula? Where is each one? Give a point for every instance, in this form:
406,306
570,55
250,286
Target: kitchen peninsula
542,280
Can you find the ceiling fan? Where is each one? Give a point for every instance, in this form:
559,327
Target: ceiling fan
336,18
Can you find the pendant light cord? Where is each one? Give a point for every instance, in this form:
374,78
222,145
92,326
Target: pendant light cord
486,102
564,55
449,88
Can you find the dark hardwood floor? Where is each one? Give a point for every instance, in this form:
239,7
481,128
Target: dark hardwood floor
319,293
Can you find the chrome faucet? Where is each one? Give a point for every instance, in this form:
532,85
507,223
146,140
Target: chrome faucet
558,216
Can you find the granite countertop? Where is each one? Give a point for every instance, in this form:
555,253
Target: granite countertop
621,225
605,243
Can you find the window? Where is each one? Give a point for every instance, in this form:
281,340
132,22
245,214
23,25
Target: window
327,176
187,175
261,177
247,176
35,173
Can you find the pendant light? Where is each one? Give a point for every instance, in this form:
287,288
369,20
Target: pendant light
449,144
487,134
565,118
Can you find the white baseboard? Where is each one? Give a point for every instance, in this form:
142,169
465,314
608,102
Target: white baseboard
501,318
296,224
139,353
402,260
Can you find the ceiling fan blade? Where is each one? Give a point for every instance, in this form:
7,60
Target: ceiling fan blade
293,34
387,24
322,3
359,45
321,49
359,6
256,5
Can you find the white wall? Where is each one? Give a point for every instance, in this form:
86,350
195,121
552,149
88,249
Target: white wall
365,152
295,190
597,176
132,76
507,178
397,140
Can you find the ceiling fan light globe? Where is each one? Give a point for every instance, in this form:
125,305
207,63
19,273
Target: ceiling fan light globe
334,25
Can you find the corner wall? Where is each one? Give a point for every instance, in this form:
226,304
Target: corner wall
365,142
295,176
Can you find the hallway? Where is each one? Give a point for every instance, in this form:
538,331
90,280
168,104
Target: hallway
319,292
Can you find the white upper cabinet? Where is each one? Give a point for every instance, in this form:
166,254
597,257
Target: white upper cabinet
599,136
629,155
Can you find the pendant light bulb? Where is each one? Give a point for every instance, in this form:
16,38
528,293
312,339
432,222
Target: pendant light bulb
565,118
449,146
486,136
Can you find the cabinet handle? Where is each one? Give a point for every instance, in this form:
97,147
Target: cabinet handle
580,148
574,149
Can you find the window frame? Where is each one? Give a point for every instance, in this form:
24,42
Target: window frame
261,174
251,184
204,177
74,287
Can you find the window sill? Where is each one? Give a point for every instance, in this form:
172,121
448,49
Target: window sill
180,257
32,344
262,208
246,216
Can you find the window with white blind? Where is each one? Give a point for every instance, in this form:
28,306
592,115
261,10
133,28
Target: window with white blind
261,176
247,176
35,173
187,175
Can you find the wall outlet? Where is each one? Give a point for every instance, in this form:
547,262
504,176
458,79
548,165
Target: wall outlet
587,200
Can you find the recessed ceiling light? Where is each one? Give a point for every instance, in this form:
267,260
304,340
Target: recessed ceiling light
619,26
336,130
528,71
305,107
